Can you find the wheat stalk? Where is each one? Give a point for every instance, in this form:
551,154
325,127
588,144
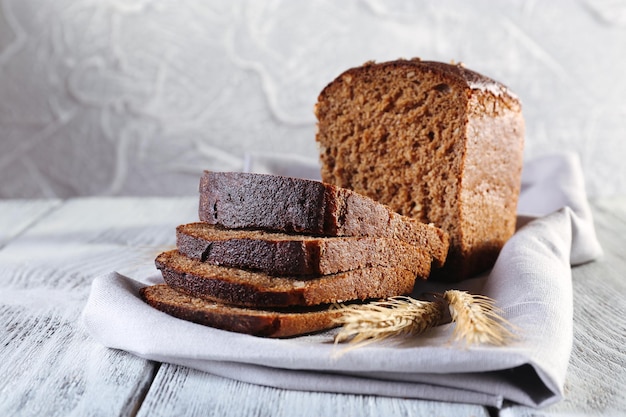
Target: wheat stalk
477,319
378,320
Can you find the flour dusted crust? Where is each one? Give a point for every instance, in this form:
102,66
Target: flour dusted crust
433,141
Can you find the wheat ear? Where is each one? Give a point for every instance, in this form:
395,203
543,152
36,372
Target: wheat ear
378,320
477,319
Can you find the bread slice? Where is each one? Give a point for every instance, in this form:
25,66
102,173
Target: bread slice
266,323
257,289
260,201
288,254
433,141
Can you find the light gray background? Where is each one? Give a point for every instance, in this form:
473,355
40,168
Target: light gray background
121,97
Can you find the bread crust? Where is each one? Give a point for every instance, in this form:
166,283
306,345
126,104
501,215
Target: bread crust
283,254
256,322
256,289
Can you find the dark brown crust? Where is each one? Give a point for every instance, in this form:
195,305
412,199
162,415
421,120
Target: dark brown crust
284,254
466,77
264,323
270,202
256,289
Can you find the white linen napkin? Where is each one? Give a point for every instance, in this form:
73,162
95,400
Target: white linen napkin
531,282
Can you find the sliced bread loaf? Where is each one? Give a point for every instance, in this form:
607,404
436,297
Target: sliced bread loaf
270,202
257,289
266,323
288,254
433,141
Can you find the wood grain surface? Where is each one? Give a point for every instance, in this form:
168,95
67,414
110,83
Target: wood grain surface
50,251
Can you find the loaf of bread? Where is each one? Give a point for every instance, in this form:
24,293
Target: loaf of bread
241,287
266,323
433,141
244,200
288,254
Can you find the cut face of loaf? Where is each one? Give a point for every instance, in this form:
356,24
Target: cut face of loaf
255,322
433,141
256,289
243,200
287,254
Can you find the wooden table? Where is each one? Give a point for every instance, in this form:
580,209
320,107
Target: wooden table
50,251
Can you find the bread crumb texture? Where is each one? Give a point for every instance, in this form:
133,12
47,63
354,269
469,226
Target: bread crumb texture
436,142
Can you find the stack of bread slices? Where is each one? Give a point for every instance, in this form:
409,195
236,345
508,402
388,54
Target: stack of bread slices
271,255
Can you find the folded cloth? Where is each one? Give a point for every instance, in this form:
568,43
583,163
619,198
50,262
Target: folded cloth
531,283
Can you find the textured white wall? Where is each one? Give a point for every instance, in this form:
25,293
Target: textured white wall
137,97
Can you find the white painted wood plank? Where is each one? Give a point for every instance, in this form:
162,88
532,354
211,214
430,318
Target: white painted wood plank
179,391
48,363
50,367
91,236
596,380
18,215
